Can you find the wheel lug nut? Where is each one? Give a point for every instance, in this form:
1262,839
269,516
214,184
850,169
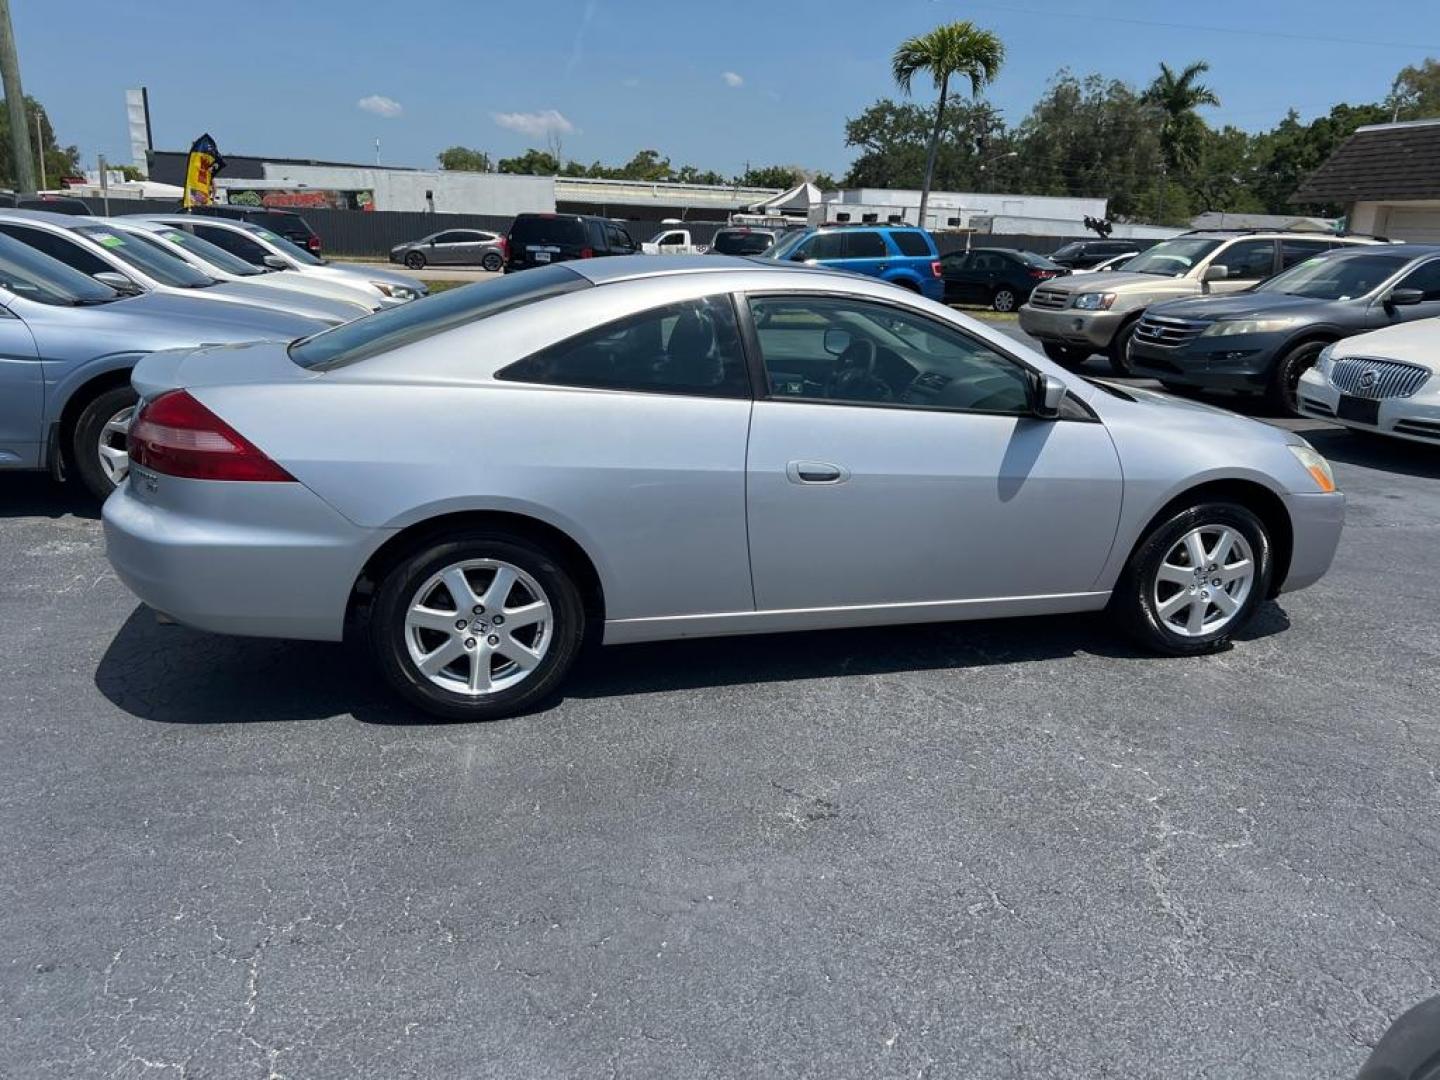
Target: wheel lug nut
499,620
460,624
493,639
479,609
469,642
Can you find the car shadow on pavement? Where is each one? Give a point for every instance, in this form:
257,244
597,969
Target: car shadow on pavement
174,675
1377,452
39,495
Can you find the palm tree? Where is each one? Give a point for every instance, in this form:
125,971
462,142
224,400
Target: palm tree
958,48
1178,96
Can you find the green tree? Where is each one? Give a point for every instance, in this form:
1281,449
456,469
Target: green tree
59,160
690,174
1291,151
1177,97
463,159
645,165
1415,93
131,173
771,176
894,136
531,163
950,51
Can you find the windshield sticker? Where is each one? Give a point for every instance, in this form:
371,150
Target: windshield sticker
107,239
175,237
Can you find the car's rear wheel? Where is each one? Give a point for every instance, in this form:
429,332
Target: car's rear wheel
1003,300
491,262
1065,355
477,626
1195,579
99,443
1119,350
414,260
1283,392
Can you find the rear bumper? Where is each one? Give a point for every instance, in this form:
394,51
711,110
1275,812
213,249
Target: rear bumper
266,560
1066,326
1316,520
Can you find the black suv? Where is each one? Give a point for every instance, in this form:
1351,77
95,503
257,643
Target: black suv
1083,254
537,239
284,223
1263,339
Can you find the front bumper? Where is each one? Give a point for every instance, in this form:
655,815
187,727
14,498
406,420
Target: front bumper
259,559
1066,326
1415,418
1232,363
1316,520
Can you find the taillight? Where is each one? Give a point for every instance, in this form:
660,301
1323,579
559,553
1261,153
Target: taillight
935,268
504,247
587,253
175,435
1042,274
313,243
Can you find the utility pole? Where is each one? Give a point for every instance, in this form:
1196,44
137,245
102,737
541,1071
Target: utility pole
40,146
15,104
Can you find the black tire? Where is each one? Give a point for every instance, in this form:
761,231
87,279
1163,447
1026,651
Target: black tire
492,261
1284,388
414,260
1067,356
90,429
387,630
1119,350
1133,601
1004,300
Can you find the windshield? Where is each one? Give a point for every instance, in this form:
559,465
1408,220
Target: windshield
399,326
1171,258
741,243
33,275
1328,278
292,251
786,244
1069,250
149,259
207,252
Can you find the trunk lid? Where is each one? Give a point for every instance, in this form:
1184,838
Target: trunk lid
215,365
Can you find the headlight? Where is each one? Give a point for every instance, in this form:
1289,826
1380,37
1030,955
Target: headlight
1094,301
1313,463
1325,359
395,292
1231,327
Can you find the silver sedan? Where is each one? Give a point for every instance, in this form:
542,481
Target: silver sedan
636,449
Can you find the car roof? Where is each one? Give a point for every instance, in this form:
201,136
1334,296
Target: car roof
1408,251
631,267
1273,234
49,217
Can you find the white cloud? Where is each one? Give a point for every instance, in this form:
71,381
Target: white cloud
535,124
731,79
380,105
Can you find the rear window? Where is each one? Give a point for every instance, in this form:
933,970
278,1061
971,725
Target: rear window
741,243
1069,251
553,231
912,243
1029,258
420,319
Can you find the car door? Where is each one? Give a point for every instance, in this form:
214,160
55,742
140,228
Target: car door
22,395
955,269
864,251
894,460
450,247
1246,262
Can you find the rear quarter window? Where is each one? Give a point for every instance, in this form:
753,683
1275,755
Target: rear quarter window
912,243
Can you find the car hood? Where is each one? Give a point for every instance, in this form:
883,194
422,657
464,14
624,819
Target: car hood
1411,342
291,300
237,322
1182,415
378,273
1241,306
1112,281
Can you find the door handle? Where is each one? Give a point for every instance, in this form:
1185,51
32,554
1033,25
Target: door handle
816,472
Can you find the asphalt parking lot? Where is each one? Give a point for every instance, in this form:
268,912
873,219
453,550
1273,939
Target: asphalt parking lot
1013,849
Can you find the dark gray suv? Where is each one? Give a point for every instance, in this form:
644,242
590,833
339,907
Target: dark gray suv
1262,340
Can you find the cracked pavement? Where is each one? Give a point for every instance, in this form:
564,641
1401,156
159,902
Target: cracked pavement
984,850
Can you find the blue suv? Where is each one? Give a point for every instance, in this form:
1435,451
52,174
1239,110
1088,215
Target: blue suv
905,256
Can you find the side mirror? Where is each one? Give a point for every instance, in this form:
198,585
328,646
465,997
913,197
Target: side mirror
275,262
1216,272
1404,297
1047,396
837,340
117,281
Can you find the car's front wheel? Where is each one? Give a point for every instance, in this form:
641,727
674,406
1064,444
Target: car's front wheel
1119,350
477,626
491,262
1004,300
1284,389
1195,579
414,260
1065,355
99,442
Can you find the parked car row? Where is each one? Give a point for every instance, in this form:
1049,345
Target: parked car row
84,298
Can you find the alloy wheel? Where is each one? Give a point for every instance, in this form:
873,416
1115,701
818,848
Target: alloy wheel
1004,300
1203,581
478,627
113,448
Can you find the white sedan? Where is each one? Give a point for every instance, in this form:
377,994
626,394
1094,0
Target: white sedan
1387,381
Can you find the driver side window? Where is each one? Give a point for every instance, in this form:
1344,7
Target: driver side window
851,351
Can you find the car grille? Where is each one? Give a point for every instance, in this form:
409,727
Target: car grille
1426,429
1367,378
1049,299
1162,330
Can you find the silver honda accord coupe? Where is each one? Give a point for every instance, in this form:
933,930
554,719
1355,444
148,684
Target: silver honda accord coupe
635,449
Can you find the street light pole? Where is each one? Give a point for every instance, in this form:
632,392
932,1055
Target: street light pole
15,105
40,146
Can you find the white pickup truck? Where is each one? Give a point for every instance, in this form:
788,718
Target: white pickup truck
673,242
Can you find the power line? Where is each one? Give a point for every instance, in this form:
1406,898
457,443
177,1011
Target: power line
1091,16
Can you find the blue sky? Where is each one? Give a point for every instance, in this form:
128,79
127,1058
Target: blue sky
709,83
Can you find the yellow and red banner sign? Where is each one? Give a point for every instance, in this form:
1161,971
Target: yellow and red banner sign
205,161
